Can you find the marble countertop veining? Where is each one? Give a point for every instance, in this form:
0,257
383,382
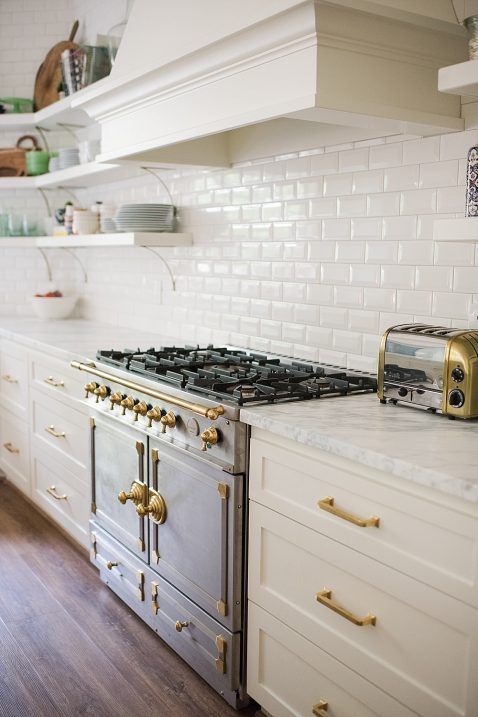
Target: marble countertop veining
76,339
406,442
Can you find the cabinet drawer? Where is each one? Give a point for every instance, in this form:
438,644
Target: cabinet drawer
202,642
62,431
422,538
14,379
14,452
424,643
56,379
60,494
289,676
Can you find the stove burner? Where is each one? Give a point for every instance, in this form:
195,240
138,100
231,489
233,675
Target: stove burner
239,376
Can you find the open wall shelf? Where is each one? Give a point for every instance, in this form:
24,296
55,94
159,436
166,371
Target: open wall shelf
145,239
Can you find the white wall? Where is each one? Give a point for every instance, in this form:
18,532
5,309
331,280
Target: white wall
312,256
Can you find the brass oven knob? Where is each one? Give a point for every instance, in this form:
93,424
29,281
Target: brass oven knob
116,398
101,392
156,507
209,438
180,624
169,421
90,387
154,415
136,494
128,403
140,409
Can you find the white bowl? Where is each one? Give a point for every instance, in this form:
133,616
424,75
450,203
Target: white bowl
52,308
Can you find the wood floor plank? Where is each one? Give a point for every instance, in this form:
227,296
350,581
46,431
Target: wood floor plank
137,658
22,693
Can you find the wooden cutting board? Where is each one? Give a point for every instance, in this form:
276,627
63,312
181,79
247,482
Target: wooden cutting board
49,73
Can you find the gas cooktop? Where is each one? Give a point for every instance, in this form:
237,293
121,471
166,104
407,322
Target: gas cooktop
239,376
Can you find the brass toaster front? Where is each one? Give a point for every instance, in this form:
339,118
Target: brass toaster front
430,366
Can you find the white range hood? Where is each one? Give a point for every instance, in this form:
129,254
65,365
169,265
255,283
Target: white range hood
213,82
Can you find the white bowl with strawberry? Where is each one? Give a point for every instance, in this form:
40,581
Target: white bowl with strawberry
53,305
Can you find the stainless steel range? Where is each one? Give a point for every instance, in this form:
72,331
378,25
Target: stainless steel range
169,487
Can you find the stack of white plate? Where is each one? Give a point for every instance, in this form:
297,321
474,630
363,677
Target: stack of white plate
107,225
68,158
146,218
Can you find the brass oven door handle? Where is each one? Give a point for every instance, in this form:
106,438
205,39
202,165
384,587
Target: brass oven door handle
53,432
328,505
6,377
52,491
325,598
11,448
53,382
319,709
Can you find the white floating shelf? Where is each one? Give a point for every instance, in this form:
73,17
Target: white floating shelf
464,229
145,239
50,117
460,79
81,175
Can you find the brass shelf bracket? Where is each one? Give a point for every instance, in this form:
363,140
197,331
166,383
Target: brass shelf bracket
166,265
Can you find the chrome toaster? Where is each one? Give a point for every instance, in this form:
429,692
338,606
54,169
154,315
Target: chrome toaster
430,366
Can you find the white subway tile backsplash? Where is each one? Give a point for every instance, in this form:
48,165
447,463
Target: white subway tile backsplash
418,201
272,240
353,160
388,155
383,205
419,151
439,174
434,278
351,206
337,184
451,199
401,178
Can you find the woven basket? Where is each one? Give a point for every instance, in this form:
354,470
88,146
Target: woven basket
12,160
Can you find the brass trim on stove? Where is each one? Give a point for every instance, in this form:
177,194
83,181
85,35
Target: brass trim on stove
211,413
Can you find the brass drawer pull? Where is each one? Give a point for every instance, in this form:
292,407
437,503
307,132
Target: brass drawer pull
53,382
180,625
110,565
11,448
325,598
52,491
319,709
328,505
51,430
6,377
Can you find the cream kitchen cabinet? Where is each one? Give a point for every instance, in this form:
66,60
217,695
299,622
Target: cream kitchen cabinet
361,589
44,435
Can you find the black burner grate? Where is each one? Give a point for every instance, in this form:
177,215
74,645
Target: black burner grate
240,376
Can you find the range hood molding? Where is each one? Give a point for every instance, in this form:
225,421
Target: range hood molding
318,61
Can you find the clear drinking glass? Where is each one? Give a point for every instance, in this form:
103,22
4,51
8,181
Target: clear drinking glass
15,225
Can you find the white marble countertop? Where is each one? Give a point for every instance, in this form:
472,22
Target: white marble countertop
76,339
407,442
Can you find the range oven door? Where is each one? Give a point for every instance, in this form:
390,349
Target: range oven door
196,530
119,482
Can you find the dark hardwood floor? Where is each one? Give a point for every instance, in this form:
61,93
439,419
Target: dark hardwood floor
69,647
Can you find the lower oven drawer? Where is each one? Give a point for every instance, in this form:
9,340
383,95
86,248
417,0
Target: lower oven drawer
210,649
213,651
120,570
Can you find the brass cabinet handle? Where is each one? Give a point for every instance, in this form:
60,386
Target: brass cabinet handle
156,507
325,598
319,709
180,625
9,379
51,430
11,448
110,565
136,493
53,382
328,505
52,491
